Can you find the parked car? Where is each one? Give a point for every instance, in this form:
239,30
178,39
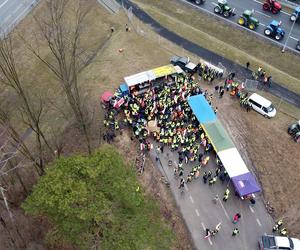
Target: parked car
184,63
261,105
271,242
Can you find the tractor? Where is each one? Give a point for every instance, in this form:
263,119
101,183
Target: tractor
223,9
272,5
274,30
294,131
296,15
248,20
198,2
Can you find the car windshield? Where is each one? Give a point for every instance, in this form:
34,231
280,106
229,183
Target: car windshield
270,108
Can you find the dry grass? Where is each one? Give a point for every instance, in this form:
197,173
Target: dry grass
220,37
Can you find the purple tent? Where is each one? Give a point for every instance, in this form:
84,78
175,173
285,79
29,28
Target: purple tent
245,184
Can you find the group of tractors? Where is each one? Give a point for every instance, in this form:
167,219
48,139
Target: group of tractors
247,19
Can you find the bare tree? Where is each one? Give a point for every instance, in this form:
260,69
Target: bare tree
62,36
30,111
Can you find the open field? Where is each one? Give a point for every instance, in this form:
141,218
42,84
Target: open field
226,40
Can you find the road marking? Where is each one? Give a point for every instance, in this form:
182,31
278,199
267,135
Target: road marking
263,24
215,4
256,33
197,212
294,38
6,18
3,3
251,209
15,11
204,228
262,13
257,1
285,13
224,209
258,222
191,198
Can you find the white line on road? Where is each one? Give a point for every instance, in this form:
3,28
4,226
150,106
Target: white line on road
258,222
215,4
3,3
17,9
224,209
263,24
191,198
197,212
285,13
262,13
257,1
251,209
204,228
294,38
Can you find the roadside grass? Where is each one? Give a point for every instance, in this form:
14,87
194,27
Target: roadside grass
232,43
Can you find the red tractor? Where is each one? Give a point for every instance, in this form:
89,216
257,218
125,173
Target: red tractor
272,5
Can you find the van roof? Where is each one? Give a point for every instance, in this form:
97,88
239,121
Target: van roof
261,100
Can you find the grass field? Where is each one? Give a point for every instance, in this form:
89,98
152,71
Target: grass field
225,40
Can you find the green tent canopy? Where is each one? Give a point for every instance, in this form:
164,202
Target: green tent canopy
218,136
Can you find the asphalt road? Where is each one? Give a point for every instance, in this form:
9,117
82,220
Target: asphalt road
12,12
199,211
264,18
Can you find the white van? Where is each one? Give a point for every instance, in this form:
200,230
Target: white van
262,105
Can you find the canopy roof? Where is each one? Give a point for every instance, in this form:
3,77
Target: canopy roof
151,75
106,96
245,184
233,162
139,78
124,88
218,136
201,109
164,71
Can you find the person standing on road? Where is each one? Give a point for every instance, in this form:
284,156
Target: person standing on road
235,232
205,177
181,185
221,93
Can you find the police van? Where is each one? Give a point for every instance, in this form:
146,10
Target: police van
262,105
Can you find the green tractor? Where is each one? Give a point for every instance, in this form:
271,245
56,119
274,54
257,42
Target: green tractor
248,20
223,9
294,131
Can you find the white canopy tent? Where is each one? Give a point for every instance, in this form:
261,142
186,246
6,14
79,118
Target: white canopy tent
139,78
233,162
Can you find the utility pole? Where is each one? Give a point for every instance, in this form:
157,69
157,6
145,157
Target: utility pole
285,44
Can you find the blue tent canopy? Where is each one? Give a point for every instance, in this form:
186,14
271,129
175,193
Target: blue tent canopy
124,89
245,184
201,109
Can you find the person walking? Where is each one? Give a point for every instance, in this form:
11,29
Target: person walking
221,93
181,185
226,195
283,232
236,218
205,177
247,65
235,231
188,178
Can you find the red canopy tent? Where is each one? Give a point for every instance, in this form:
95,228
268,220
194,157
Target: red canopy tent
106,96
